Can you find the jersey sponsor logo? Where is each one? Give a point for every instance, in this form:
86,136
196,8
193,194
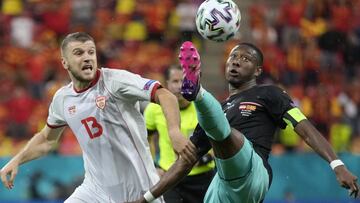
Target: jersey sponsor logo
148,84
72,110
100,102
246,108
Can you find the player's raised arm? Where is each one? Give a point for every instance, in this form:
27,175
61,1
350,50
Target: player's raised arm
39,145
321,146
170,108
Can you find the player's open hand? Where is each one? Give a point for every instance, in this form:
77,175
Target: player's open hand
11,170
347,180
183,147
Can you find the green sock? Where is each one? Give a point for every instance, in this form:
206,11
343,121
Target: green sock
211,117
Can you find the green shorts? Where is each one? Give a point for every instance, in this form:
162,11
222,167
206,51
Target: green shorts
241,178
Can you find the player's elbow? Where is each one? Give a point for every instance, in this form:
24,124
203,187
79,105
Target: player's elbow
50,145
47,144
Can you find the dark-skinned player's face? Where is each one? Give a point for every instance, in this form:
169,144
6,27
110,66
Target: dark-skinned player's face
242,65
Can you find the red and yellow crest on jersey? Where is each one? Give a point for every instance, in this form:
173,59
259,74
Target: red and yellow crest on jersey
100,102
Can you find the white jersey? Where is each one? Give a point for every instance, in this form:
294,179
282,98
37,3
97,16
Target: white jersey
111,131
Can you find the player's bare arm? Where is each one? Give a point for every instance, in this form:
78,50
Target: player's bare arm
39,145
321,146
170,108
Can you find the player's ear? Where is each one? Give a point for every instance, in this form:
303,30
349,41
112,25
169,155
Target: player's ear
258,71
64,63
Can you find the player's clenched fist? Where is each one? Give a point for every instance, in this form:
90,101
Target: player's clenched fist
11,170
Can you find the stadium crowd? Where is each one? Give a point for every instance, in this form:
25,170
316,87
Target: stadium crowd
311,47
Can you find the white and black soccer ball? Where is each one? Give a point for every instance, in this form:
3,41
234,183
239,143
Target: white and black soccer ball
218,20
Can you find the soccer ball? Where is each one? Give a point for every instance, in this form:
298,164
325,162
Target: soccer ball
218,20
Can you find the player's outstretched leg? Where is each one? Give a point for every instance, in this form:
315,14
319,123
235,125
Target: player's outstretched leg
210,115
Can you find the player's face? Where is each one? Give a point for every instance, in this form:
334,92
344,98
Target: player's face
174,83
80,60
242,66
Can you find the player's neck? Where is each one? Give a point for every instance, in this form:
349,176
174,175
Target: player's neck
81,85
245,86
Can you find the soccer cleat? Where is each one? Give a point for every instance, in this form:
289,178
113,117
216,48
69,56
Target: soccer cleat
190,63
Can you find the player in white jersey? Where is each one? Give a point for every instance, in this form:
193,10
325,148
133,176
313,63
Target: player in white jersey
101,106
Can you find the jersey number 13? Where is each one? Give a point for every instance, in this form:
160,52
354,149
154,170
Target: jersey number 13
91,123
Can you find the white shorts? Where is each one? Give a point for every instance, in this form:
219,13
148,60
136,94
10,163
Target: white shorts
89,192
86,193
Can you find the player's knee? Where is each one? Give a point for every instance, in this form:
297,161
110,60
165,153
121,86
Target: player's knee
238,138
230,146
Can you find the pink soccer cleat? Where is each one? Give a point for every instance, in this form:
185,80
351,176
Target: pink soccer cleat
190,63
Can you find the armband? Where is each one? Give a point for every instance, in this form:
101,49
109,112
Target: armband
294,116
